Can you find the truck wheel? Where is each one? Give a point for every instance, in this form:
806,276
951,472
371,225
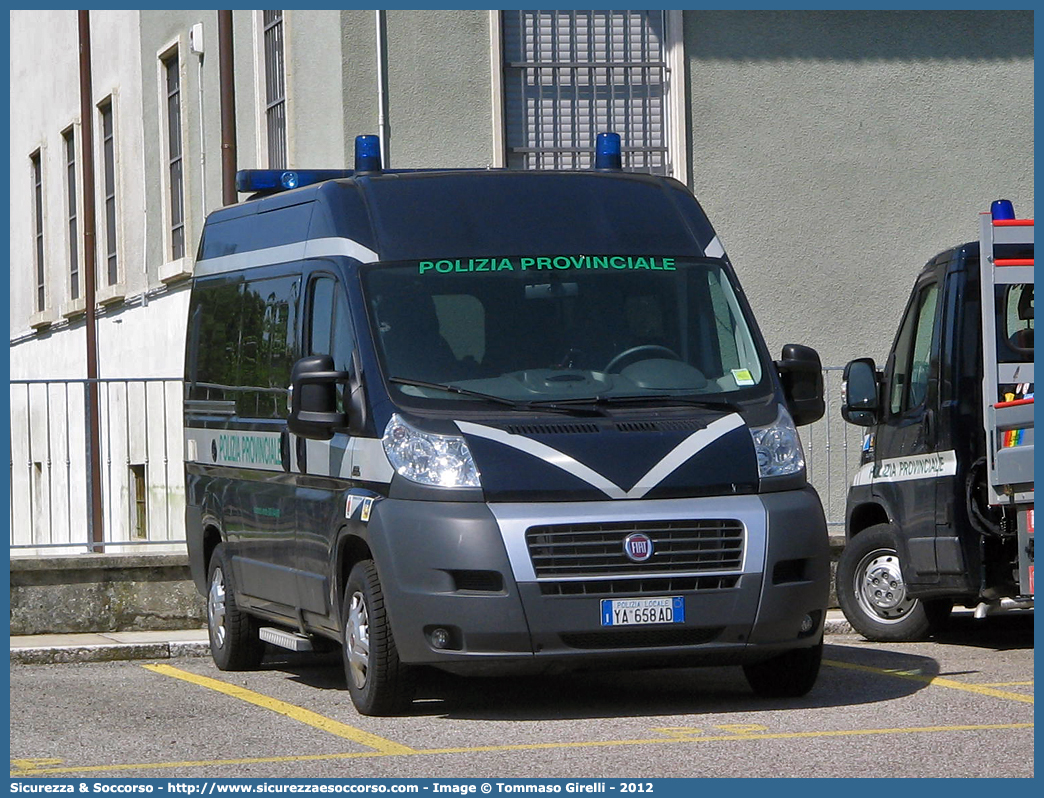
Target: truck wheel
872,592
234,641
788,675
378,683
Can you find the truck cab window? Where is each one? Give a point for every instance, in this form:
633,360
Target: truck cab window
1017,313
913,353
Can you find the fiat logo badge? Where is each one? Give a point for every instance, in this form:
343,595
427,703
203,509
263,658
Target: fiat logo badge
638,547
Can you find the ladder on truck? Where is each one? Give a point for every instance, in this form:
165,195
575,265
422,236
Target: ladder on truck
1007,380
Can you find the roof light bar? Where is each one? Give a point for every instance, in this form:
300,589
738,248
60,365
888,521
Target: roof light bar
284,179
608,151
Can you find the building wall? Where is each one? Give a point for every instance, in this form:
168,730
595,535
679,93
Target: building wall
440,100
836,152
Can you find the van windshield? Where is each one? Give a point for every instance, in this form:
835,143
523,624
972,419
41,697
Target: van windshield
551,329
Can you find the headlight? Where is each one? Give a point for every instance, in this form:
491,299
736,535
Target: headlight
442,460
778,447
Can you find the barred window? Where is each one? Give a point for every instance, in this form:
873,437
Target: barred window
275,89
175,160
569,75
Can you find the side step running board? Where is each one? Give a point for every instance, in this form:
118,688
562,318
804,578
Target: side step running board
285,639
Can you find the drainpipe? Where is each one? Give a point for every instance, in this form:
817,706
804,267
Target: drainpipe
382,132
226,68
95,519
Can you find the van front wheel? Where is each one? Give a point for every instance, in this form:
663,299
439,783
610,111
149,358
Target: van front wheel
872,592
234,641
378,682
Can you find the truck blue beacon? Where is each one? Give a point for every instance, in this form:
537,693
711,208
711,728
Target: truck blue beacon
494,421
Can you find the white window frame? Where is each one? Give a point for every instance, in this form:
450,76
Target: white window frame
106,292
40,313
260,93
73,306
675,119
172,268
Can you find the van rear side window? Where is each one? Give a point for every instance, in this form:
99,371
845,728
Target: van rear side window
245,345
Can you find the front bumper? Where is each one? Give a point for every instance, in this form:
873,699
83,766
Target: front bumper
466,568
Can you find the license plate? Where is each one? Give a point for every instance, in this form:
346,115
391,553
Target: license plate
643,612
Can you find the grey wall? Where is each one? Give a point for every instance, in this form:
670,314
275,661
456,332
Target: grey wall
836,152
440,100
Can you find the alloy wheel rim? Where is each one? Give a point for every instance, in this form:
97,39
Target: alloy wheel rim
357,640
216,607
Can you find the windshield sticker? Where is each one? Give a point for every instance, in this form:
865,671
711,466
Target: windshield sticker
743,377
559,262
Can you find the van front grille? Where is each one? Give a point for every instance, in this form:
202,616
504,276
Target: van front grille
597,549
656,586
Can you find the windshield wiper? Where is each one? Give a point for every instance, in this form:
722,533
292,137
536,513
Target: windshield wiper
604,400
549,404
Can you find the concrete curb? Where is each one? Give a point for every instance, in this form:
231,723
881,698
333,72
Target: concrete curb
108,646
119,646
56,655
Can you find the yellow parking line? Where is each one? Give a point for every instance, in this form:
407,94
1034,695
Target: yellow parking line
745,736
314,719
938,681
1006,684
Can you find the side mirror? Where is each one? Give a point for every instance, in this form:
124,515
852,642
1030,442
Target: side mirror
801,372
860,393
313,398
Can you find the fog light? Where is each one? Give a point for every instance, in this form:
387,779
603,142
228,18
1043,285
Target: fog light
806,624
440,638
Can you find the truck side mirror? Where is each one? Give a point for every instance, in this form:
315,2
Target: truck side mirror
860,393
801,372
313,398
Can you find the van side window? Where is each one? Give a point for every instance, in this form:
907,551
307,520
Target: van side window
246,346
213,349
266,346
913,353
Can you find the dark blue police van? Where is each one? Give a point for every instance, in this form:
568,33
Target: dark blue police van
494,421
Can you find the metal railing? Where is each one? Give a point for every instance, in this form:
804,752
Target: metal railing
141,456
142,476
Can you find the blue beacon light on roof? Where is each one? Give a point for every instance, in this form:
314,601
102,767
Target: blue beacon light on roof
367,154
608,151
1002,210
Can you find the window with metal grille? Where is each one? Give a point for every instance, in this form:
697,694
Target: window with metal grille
38,230
175,174
139,510
69,149
109,183
569,75
275,89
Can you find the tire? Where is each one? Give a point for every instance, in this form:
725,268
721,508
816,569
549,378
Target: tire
378,682
234,641
872,592
789,675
